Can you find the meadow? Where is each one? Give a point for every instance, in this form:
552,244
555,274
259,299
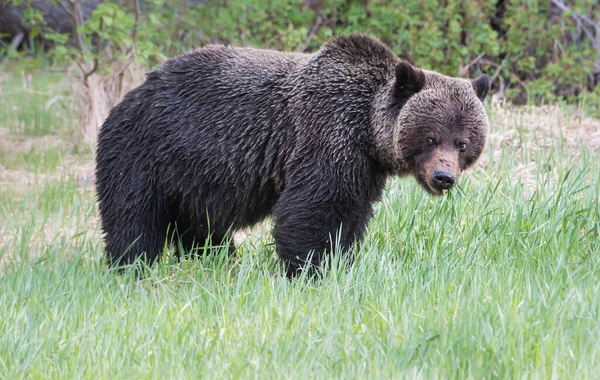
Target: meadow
498,279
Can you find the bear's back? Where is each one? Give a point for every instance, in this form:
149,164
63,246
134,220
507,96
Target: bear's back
229,66
223,127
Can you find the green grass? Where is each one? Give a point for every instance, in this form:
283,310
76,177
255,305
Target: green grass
34,107
33,160
499,279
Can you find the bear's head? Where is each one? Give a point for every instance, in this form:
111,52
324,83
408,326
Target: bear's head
441,126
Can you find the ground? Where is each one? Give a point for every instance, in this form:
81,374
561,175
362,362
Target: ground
499,279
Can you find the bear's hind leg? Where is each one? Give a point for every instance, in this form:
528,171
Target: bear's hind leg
140,235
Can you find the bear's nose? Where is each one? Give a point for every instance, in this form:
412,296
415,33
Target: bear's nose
443,180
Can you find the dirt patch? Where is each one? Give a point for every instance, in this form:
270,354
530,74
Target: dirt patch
19,180
13,143
70,166
522,131
542,127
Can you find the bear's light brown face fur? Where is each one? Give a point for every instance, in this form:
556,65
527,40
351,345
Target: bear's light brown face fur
441,130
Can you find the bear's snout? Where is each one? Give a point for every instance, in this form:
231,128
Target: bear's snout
438,171
443,180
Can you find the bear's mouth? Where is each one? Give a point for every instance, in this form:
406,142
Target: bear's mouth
425,184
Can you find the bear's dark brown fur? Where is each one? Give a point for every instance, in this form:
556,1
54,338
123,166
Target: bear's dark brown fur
220,138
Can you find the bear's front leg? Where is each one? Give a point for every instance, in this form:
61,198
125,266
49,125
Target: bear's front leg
316,220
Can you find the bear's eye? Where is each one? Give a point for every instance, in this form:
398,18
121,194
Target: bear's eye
430,141
462,146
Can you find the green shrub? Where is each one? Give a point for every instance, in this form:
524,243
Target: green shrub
533,52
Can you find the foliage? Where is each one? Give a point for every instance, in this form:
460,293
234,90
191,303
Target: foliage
110,27
533,51
529,54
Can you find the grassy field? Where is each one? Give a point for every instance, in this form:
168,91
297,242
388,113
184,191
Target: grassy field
499,279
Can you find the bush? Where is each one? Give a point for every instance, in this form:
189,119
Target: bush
535,51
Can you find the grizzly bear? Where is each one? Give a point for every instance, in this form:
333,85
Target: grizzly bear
220,138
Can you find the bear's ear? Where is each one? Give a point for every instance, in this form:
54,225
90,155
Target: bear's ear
481,85
409,81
